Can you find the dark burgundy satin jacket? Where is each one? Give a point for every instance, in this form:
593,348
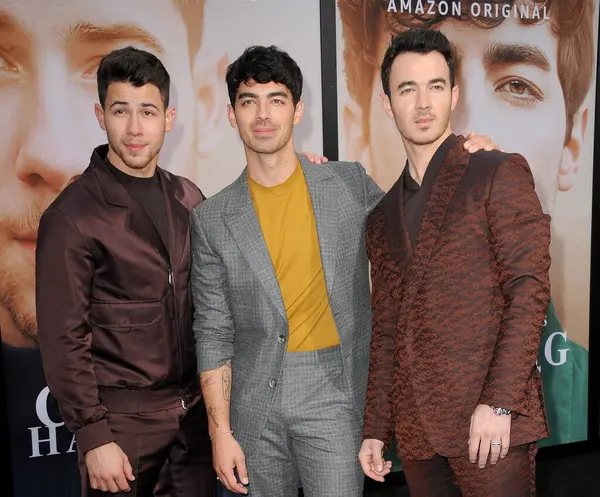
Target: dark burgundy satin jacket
113,302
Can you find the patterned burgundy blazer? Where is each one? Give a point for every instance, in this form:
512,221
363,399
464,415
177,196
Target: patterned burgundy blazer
457,317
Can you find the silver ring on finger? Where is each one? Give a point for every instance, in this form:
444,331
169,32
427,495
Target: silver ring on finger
496,444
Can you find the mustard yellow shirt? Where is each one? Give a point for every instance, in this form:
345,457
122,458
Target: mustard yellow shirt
289,228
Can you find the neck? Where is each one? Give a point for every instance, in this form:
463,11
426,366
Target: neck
145,172
11,334
272,169
419,156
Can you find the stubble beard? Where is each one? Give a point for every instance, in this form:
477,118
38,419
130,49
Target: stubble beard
17,293
136,162
414,139
268,146
17,271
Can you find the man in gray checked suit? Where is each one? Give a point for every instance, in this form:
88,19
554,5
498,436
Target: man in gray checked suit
282,300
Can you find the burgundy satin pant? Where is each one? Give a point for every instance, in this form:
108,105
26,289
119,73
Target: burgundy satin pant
169,451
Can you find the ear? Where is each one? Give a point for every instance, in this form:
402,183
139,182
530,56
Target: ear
354,133
231,116
170,114
387,105
99,111
298,112
571,158
455,95
211,100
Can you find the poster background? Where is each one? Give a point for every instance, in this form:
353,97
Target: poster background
64,144
48,131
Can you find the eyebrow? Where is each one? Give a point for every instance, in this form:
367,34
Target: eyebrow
92,33
404,84
515,53
248,94
126,104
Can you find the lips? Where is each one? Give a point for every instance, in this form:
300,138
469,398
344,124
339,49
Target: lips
28,241
28,237
135,146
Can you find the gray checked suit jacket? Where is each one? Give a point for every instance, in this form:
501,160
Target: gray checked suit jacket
239,314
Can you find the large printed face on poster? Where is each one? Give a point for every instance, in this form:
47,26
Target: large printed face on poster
525,72
49,53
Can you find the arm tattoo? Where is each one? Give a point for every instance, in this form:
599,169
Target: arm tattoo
207,382
211,413
226,381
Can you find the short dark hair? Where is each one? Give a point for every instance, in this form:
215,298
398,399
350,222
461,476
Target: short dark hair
134,66
416,40
264,65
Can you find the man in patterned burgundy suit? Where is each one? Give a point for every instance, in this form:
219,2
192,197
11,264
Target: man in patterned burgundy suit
459,249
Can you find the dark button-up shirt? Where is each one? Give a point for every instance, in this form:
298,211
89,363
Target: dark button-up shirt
415,195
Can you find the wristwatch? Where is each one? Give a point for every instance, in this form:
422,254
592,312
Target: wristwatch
500,411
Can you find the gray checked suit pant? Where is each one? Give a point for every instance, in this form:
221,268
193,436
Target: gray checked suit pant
313,433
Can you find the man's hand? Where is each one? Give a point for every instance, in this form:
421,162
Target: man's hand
477,142
487,428
227,455
109,469
315,159
371,460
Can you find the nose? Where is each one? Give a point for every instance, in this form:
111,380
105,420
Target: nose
470,114
52,153
262,110
134,126
423,100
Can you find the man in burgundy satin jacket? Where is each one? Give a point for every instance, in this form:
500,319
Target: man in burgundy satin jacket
113,302
459,251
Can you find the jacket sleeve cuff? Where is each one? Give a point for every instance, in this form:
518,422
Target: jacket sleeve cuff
212,356
516,408
377,434
94,435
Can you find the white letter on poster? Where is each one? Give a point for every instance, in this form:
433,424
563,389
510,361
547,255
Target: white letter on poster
562,353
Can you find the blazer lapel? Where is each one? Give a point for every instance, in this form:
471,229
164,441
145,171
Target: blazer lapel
449,176
243,224
177,217
138,221
326,210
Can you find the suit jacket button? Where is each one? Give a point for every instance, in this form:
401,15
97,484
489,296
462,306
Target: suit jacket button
272,383
281,339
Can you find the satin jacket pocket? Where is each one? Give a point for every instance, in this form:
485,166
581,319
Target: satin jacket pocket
131,343
126,316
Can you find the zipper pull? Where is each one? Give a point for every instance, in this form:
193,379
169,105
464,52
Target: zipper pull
170,277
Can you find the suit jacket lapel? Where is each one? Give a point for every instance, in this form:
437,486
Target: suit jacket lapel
243,224
449,176
325,208
177,217
138,221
